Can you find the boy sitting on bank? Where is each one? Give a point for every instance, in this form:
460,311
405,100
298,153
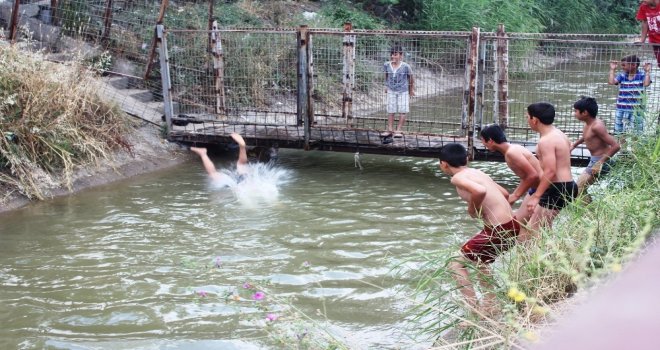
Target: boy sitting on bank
556,186
487,201
601,145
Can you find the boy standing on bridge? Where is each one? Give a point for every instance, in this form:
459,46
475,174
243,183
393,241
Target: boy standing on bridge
649,14
630,100
487,201
399,86
556,186
601,145
521,161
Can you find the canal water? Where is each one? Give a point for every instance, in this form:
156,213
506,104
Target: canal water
169,261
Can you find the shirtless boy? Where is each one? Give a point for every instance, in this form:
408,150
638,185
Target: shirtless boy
556,186
487,201
601,145
521,161
241,163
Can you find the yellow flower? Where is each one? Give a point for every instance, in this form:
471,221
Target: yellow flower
531,336
516,295
236,297
615,267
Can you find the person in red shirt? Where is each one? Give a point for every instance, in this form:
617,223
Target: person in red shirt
649,15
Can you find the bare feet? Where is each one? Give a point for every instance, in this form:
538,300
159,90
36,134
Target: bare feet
199,150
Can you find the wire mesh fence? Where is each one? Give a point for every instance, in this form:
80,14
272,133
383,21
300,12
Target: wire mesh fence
437,61
559,69
259,80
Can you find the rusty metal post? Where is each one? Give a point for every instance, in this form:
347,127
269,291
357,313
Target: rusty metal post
53,13
107,22
303,92
310,81
348,76
154,41
210,26
471,103
168,108
503,77
13,24
218,70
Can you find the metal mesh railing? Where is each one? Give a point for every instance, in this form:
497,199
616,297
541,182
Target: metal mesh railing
259,76
438,65
559,69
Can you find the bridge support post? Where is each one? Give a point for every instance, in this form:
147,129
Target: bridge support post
471,92
303,79
348,76
107,23
165,75
218,70
502,69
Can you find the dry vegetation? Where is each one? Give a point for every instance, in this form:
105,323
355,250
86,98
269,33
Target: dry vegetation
51,120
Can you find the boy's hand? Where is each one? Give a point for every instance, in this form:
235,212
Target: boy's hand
532,203
613,65
595,169
647,67
513,198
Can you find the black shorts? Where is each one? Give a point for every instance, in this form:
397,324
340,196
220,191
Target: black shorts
558,195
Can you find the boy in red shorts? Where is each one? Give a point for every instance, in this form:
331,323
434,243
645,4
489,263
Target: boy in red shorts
488,202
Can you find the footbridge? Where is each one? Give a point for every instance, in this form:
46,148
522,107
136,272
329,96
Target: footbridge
323,89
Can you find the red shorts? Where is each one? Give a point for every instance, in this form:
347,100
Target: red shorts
486,245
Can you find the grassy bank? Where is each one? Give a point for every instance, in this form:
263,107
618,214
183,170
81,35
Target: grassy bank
588,243
51,121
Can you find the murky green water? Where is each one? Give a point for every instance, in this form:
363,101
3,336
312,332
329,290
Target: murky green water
156,262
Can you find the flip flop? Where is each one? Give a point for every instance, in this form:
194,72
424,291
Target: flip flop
386,133
398,135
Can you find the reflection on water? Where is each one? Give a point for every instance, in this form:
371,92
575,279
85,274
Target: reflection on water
123,266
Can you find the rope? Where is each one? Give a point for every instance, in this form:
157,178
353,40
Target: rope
357,162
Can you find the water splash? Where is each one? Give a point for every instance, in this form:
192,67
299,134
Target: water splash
259,186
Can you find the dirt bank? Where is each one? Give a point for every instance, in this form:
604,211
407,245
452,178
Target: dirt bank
150,152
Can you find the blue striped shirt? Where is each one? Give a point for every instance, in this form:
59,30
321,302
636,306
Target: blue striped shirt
631,92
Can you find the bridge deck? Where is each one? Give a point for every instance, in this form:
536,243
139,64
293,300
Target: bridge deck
338,139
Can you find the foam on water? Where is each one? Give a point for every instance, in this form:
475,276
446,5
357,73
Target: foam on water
259,186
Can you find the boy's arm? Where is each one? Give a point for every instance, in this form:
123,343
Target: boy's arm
577,142
647,75
611,80
527,174
601,132
477,193
645,31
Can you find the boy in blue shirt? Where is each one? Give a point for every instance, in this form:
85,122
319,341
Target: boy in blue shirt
632,88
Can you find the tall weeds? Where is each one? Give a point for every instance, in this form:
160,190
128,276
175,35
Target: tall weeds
588,243
50,121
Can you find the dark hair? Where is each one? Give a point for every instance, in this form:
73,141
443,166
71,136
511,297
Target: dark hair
544,111
396,49
588,104
454,154
631,59
493,132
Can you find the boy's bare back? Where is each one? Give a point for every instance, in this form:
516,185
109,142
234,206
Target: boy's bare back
519,159
553,151
494,209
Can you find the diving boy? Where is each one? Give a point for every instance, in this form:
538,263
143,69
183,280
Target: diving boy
601,145
556,186
241,163
487,201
